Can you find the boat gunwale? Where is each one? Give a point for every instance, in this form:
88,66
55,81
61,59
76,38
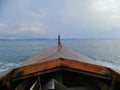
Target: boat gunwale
62,62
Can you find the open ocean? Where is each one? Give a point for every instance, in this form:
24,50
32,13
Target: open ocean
14,52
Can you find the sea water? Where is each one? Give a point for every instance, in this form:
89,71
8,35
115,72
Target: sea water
15,52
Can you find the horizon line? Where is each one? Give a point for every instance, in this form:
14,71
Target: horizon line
57,38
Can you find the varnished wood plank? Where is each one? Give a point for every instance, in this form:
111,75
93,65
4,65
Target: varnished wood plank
58,63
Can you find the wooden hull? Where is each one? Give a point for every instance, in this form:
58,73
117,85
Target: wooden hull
71,78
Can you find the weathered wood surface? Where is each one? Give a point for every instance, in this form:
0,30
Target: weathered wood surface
58,52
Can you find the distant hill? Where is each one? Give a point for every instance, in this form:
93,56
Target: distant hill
42,39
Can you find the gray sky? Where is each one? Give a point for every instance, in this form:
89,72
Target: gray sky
84,19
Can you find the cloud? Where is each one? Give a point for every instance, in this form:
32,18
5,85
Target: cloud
22,30
108,11
20,11
103,14
106,6
34,27
72,18
2,25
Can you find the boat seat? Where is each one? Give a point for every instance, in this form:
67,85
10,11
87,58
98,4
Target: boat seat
77,88
80,88
55,85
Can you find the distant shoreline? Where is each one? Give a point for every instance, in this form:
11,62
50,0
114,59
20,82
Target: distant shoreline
55,39
43,39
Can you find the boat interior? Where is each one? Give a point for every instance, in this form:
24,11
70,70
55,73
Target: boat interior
61,79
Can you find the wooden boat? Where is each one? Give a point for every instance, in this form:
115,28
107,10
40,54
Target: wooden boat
60,68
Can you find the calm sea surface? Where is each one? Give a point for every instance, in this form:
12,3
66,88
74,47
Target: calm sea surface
14,52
